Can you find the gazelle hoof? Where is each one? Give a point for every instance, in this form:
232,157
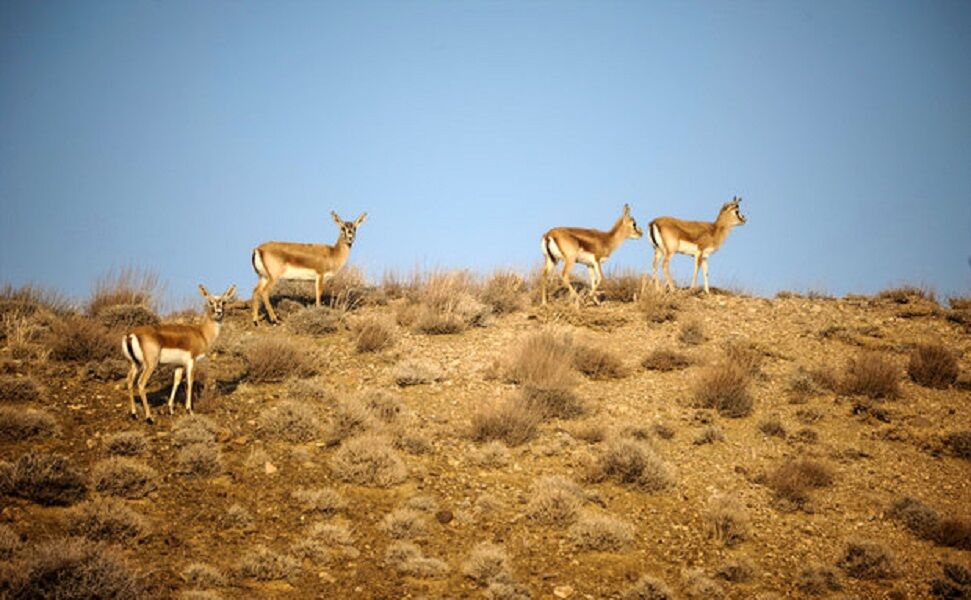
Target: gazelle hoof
150,420
134,416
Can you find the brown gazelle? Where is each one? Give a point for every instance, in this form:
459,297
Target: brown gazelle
698,239
309,262
590,247
172,344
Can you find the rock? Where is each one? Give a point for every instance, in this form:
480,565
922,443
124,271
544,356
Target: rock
269,468
563,591
444,516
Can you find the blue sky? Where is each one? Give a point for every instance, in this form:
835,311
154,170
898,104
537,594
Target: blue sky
175,136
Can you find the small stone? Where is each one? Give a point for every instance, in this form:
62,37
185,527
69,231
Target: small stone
444,516
563,591
241,440
270,468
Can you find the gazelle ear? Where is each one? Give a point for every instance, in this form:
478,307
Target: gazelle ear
230,292
360,219
203,291
627,209
336,218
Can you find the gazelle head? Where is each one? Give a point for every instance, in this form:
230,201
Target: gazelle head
216,305
348,228
731,213
628,225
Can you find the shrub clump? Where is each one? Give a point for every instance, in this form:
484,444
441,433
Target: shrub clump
10,543
373,335
290,421
598,363
404,523
867,560
649,588
925,523
323,500
201,575
633,463
724,387
511,421
350,417
408,560
772,427
665,360
487,563
542,360
416,371
126,443
47,479
325,541
816,580
601,533
274,359
933,366
264,564
107,519
124,477
75,338
554,501
552,402
793,480
18,389
17,424
368,460
504,292
492,455
127,316
727,520
871,374
314,320
960,443
691,334
194,429
199,460
126,287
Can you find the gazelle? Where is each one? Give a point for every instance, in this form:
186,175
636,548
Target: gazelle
309,262
172,344
698,239
590,247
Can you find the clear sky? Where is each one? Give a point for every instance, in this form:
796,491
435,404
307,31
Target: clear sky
177,135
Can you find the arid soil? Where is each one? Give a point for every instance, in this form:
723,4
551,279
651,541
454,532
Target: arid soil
251,490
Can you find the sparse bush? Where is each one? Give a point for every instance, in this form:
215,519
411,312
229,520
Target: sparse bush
592,433
552,402
106,519
817,580
73,568
29,299
933,366
709,435
960,443
198,460
870,374
662,431
601,533
656,307
373,335
772,427
126,443
506,589
404,523
907,293
78,339
201,575
698,586
665,360
631,462
326,541
18,424
273,359
314,320
350,417
492,454
649,588
736,570
368,460
513,422
598,363
487,562
954,533
408,559
385,406
867,560
323,500
793,480
746,355
9,543
18,389
126,287
194,429
236,516
432,322
621,286
727,520
724,387
124,477
289,421
543,360
47,479
127,316
915,516
264,564
504,292
691,333
416,371
554,501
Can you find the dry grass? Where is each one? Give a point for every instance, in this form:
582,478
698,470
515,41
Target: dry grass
793,480
198,460
404,524
818,580
107,519
408,559
124,477
314,320
709,435
724,387
30,299
324,542
631,462
959,442
487,563
236,517
78,339
10,543
698,586
926,524
906,294
290,421
47,479
350,417
551,403
746,355
772,427
933,366
657,307
194,429
601,533
264,564
385,406
126,443
127,286
273,359
665,360
542,360
373,335
871,374
692,333
491,455
127,316
621,286
649,588
368,460
19,389
727,520
511,421
18,424
736,570
326,501
201,575
867,560
554,501
598,363
416,371
504,292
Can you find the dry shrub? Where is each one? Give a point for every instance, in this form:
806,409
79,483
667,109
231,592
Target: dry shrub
746,355
621,286
592,433
772,427
236,516
315,320
709,435
793,480
552,403
955,585
323,500
649,588
662,431
73,568
601,533
264,564
736,570
817,580
449,304
289,421
326,541
727,520
373,335
408,560
598,363
201,575
404,523
124,477
10,543
542,360
412,441
698,586
724,387
126,443
487,563
128,286
368,460
631,462
933,366
954,533
512,421
29,299
504,292
691,333
107,519
273,359
431,322
416,371
18,424
802,386
47,479
871,374
350,417
385,406
194,429
506,589
127,316
554,501
867,560
960,443
925,523
907,293
78,339
198,460
18,389
665,360
657,307
492,455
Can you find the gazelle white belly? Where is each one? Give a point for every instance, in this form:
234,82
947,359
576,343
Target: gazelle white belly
175,356
302,273
586,258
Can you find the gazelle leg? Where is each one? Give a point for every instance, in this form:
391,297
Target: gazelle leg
596,277
257,293
669,282
658,255
265,294
189,370
565,277
704,271
175,386
544,280
142,382
318,287
694,276
132,372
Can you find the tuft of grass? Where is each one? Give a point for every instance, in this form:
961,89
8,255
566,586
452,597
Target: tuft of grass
933,366
746,355
511,421
554,501
793,480
273,359
633,463
504,292
75,338
198,460
30,299
542,360
431,322
368,460
194,429
871,374
127,316
408,560
598,363
724,387
551,402
124,477
314,320
73,569
326,541
47,479
665,360
236,517
601,533
126,443
404,524
656,307
18,389
818,580
416,371
487,563
698,586
201,575
290,421
727,520
867,560
107,519
350,417
772,427
327,501
959,443
736,570
691,333
264,564
125,287
709,435
385,406
493,454
10,543
18,424
373,335
906,294
926,524
621,286
649,588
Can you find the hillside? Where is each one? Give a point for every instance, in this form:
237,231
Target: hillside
450,438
